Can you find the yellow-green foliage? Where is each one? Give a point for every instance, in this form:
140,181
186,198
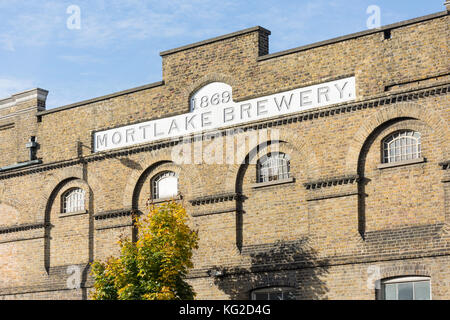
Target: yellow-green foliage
155,266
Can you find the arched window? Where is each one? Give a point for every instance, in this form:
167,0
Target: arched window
406,288
273,166
73,200
401,145
165,185
274,293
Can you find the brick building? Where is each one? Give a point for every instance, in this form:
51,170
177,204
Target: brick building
336,185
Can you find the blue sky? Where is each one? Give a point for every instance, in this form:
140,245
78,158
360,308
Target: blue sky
117,46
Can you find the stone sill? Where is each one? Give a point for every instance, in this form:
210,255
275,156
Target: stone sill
161,200
401,163
70,214
272,183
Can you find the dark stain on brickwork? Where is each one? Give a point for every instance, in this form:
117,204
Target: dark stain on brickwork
290,264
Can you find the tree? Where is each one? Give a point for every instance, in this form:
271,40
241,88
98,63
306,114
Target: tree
155,266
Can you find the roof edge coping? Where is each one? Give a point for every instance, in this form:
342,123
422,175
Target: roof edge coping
101,98
212,40
354,35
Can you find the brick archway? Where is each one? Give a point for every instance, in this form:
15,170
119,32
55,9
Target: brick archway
403,270
400,110
285,136
52,183
148,161
54,180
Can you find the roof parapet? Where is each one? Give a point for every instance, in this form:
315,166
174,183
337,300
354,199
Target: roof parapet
212,40
38,94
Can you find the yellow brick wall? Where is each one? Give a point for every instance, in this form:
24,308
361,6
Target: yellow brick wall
318,233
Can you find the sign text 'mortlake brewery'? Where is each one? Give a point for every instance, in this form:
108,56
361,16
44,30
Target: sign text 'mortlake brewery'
212,107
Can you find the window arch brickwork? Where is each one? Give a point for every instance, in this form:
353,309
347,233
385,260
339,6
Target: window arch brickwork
396,111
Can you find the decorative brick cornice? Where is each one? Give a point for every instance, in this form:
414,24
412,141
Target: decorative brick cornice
330,182
22,227
273,183
327,263
347,107
215,198
114,214
445,165
37,94
320,263
40,168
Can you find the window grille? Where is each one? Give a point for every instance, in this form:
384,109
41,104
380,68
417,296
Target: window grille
274,166
73,201
401,145
165,185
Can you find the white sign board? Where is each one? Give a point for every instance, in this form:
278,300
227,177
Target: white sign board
212,107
